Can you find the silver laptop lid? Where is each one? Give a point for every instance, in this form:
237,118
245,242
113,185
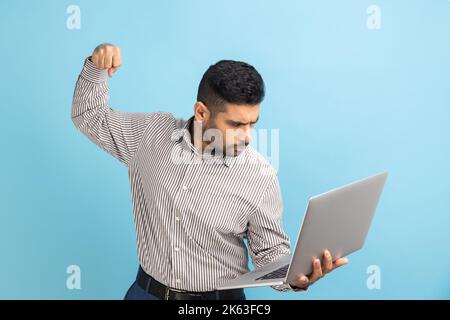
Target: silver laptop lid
337,220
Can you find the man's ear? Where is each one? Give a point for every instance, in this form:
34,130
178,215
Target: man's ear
201,112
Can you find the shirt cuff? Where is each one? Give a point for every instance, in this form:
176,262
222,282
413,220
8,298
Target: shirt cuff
92,73
295,289
286,287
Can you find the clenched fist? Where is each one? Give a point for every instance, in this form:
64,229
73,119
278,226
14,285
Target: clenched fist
107,56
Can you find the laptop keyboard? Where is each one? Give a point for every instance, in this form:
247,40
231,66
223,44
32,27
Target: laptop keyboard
279,273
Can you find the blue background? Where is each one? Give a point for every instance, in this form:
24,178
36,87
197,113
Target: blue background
348,101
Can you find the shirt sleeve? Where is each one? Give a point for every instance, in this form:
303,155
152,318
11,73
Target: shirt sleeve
118,133
267,240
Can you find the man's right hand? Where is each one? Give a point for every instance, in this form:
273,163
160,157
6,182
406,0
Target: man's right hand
107,56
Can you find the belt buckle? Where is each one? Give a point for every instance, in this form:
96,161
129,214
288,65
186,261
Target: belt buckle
167,293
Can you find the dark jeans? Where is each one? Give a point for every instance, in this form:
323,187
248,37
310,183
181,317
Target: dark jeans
135,292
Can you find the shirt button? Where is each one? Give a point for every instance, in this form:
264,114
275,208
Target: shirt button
177,218
178,280
185,188
177,249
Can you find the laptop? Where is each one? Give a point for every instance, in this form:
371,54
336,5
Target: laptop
337,220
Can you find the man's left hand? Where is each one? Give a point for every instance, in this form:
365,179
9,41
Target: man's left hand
319,270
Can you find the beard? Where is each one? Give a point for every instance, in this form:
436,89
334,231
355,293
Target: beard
219,148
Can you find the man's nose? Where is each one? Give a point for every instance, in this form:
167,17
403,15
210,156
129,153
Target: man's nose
248,135
245,135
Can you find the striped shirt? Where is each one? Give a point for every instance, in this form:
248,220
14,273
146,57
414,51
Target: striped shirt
192,213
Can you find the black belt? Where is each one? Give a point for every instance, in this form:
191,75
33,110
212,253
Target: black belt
156,288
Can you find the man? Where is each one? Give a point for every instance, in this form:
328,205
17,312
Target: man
198,188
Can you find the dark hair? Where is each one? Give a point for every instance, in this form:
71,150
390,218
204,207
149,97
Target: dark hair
230,81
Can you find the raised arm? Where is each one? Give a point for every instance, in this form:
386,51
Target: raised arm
118,133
